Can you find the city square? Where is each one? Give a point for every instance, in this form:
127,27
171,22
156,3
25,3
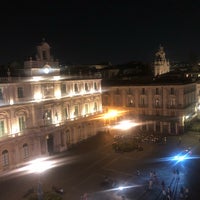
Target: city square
86,165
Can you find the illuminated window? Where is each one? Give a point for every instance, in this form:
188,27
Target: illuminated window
20,92
142,101
5,158
86,109
48,90
47,117
22,123
76,110
130,101
157,102
2,128
26,151
172,102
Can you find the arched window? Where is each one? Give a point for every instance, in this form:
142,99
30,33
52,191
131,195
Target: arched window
25,150
5,158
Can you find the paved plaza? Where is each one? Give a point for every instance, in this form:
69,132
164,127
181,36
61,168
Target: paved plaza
86,165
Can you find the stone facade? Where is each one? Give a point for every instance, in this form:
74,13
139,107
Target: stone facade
159,108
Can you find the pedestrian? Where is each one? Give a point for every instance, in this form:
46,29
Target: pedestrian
151,174
165,140
155,177
177,173
169,192
164,194
168,197
85,196
163,184
138,172
186,193
150,184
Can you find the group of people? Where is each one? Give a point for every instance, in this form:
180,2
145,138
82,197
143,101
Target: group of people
167,192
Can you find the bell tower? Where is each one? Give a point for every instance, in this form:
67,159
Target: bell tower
44,63
161,65
43,52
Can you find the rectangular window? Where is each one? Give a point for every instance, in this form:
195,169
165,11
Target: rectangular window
95,106
76,111
129,91
66,113
21,123
2,129
20,92
47,117
157,91
48,90
95,86
172,91
63,89
86,109
142,101
75,88
143,90
86,87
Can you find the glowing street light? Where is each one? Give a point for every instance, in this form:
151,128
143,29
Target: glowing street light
125,125
39,165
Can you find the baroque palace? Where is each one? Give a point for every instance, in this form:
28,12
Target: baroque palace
164,103
45,113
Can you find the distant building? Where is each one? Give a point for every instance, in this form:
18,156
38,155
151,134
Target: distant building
161,65
161,107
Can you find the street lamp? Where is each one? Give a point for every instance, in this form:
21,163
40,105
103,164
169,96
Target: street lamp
38,166
125,125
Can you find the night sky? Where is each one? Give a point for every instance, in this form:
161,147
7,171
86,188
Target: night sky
88,32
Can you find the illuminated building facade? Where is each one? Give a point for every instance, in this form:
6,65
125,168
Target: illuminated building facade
42,115
162,108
